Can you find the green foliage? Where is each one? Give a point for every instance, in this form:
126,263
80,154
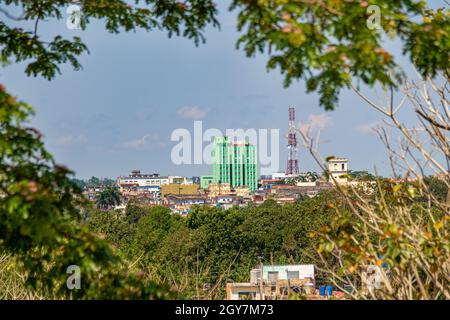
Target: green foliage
307,177
395,228
93,182
211,245
39,219
113,226
108,198
152,228
325,43
361,176
328,43
438,188
44,57
133,212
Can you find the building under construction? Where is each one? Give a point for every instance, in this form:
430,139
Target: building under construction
234,163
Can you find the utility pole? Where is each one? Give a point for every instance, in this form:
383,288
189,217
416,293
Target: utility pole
261,267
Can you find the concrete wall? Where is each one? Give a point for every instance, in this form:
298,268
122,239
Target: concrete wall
305,271
177,189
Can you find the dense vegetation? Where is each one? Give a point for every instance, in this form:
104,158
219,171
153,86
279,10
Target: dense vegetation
199,253
324,43
93,182
41,234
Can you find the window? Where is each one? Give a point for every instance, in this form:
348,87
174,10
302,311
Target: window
272,276
247,295
293,275
343,167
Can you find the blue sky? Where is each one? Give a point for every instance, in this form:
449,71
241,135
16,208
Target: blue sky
117,114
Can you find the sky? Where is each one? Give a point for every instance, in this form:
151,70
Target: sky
135,89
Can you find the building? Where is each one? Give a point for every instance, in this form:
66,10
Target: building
141,197
216,189
277,282
179,180
152,182
272,274
338,170
182,203
284,193
179,189
241,191
258,198
234,162
228,201
279,176
205,181
243,291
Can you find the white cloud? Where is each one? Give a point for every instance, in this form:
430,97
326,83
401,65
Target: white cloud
192,113
71,140
148,139
315,122
368,128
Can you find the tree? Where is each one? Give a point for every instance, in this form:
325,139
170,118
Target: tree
361,175
437,187
328,42
40,220
113,227
108,198
93,182
323,42
134,212
20,40
39,207
399,226
152,228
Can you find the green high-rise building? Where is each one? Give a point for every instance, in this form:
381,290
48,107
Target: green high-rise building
234,162
205,181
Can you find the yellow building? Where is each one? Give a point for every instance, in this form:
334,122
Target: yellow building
177,189
218,188
242,191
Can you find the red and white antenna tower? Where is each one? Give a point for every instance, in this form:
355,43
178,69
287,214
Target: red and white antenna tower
292,163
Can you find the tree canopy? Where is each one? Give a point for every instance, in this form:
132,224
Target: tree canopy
40,219
198,253
327,43
20,39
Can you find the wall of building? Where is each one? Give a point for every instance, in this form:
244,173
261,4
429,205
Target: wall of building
177,189
304,271
218,188
338,168
205,181
234,163
240,291
143,182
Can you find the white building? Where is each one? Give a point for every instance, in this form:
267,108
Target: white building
338,168
279,175
180,180
287,272
142,181
274,277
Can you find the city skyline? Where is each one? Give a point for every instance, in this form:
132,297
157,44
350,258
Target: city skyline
135,89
